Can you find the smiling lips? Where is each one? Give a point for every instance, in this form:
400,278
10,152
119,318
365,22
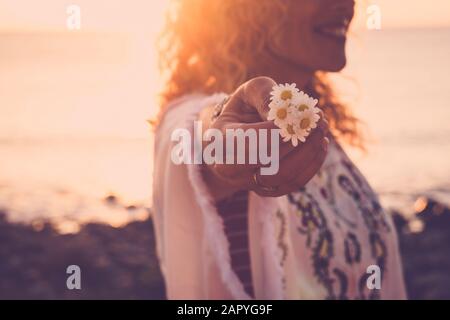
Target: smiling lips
335,29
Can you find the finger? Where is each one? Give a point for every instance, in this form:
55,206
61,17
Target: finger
296,162
301,181
250,148
277,150
256,93
285,148
249,100
273,141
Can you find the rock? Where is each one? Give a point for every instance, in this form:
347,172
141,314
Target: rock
399,221
111,199
114,262
425,255
434,214
121,263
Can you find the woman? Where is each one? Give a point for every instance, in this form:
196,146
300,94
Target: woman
224,231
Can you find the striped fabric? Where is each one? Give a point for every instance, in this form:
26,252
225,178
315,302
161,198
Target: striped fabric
234,214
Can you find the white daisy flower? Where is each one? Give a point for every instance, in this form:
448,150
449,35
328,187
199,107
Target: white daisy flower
285,92
292,132
306,102
308,119
294,112
280,113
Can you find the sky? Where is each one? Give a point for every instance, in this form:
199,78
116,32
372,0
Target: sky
84,73
414,13
141,15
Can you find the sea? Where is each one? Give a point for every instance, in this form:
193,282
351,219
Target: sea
75,146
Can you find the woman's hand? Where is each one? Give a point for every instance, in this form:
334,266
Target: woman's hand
248,108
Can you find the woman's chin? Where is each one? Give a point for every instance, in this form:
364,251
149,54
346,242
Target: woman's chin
334,65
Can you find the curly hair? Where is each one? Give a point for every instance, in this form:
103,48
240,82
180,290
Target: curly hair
205,48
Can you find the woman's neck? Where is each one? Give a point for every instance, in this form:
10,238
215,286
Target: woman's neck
284,71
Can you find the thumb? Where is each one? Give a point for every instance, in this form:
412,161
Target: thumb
256,94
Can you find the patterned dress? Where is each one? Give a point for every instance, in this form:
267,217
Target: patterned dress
338,220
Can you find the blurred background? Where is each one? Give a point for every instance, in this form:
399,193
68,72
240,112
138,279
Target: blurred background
76,150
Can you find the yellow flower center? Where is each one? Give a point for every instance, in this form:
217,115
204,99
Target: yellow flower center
302,107
286,95
290,129
305,123
282,114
